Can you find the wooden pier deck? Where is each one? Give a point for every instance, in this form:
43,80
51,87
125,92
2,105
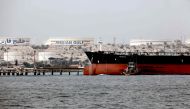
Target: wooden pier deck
18,71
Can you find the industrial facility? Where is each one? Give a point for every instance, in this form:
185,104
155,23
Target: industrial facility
70,51
148,42
12,56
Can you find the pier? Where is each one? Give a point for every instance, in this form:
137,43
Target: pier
18,71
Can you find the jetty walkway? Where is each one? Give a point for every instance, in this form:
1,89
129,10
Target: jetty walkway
18,71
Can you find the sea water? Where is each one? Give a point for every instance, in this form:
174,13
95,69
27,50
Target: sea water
95,92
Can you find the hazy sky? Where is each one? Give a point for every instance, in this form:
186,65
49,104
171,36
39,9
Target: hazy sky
123,19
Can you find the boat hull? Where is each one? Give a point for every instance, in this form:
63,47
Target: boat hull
138,63
143,69
164,69
108,69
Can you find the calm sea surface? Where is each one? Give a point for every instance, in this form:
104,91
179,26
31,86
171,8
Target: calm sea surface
95,92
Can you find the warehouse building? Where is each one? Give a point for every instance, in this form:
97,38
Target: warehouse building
148,42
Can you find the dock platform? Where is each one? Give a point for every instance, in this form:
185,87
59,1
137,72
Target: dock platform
18,71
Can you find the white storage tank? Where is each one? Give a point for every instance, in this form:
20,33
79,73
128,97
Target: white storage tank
12,56
44,56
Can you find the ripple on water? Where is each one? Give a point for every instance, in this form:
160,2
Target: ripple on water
93,92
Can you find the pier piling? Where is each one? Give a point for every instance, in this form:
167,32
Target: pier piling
34,72
43,72
26,73
13,73
38,72
52,72
61,72
78,73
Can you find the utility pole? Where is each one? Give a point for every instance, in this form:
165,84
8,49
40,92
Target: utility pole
34,59
7,55
6,50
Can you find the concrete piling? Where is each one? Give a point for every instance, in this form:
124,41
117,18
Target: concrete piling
21,73
38,72
13,73
78,73
26,73
43,72
34,72
52,72
61,72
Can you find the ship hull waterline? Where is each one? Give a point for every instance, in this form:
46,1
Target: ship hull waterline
142,69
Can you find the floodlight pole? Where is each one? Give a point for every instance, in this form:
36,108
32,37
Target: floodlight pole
34,59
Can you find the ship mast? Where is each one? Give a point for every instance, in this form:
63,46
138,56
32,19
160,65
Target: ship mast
181,42
114,42
100,44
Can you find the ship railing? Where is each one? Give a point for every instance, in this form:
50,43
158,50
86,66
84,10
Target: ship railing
166,53
148,53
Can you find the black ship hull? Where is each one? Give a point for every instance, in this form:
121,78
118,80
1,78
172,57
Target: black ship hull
118,63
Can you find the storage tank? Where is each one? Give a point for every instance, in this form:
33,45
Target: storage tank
12,56
44,56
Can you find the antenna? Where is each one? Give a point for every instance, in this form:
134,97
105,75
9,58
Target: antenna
114,43
181,42
114,40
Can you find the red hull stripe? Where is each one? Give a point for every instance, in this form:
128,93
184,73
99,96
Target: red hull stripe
110,69
150,69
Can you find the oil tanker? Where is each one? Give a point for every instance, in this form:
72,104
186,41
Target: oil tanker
137,63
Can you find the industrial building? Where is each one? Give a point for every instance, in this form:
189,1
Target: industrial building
148,42
70,41
187,42
12,56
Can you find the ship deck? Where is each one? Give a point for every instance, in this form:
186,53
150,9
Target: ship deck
146,53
